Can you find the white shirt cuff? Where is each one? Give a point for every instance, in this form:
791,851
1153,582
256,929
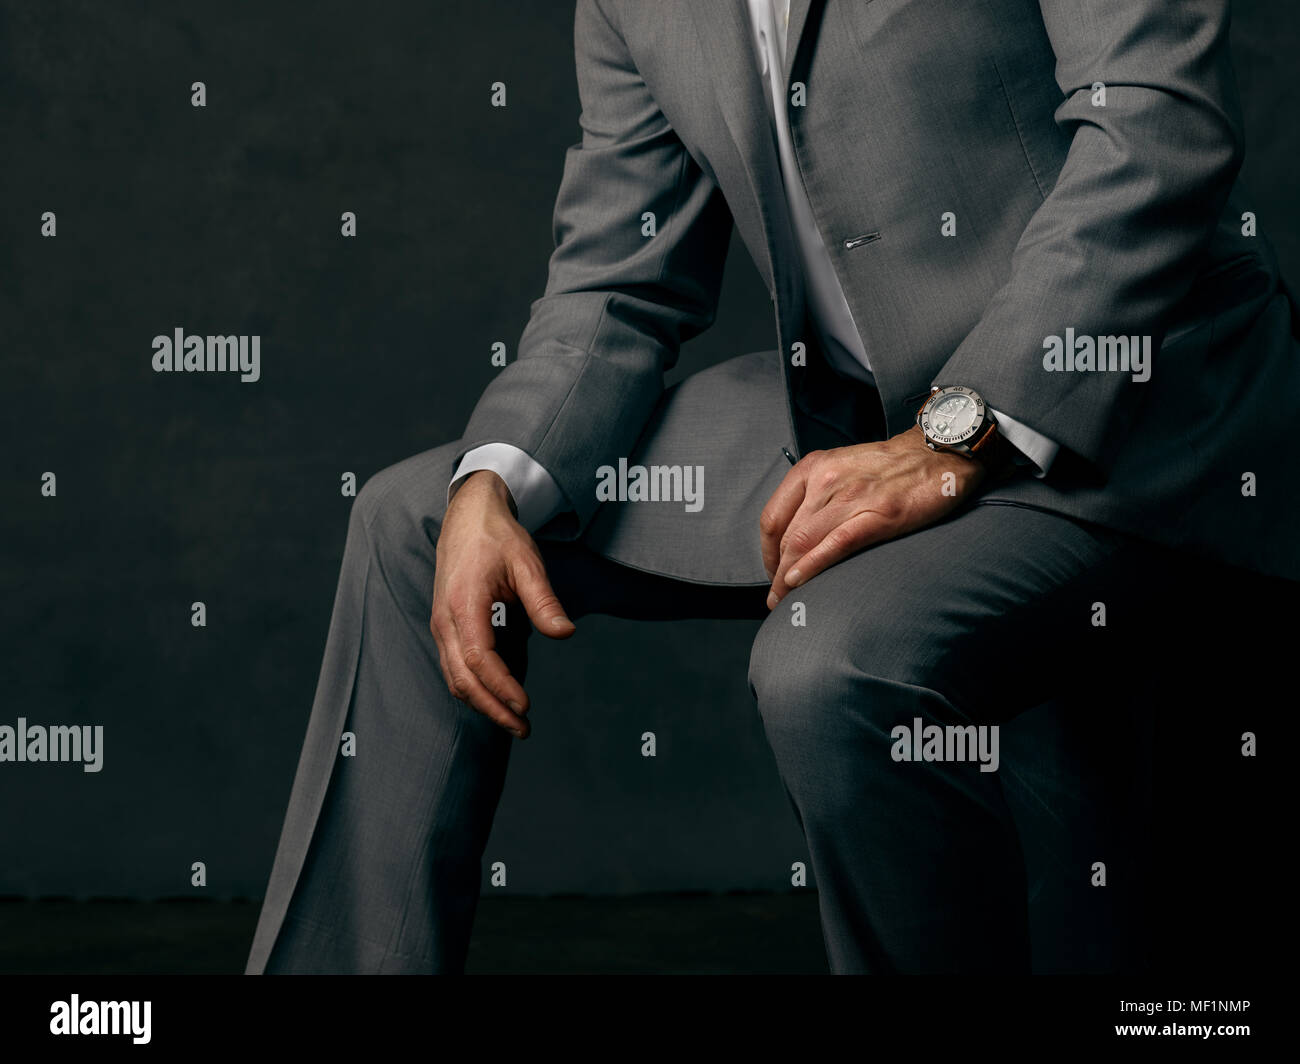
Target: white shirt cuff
536,495
1036,448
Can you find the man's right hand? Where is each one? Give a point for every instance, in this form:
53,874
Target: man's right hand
485,556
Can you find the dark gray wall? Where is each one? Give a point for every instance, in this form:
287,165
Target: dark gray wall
176,488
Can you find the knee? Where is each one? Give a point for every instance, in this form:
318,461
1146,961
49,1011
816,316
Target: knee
830,703
398,512
404,498
851,680
379,508
782,665
796,679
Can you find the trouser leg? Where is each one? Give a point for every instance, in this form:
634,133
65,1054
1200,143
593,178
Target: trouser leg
383,871
379,864
917,862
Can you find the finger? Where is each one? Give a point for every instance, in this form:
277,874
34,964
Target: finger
469,689
807,528
540,601
478,651
779,511
438,642
441,622
464,685
855,534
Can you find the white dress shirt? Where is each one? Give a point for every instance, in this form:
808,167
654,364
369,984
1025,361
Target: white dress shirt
538,498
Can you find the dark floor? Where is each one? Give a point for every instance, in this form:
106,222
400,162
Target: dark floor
774,933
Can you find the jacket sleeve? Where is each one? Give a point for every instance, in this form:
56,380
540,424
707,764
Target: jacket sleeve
1117,241
618,303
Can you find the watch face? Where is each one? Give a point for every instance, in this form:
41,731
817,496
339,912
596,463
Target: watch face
952,416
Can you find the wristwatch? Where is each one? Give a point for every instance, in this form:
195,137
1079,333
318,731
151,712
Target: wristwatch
956,419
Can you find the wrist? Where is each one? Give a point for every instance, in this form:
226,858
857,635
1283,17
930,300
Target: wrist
954,419
968,473
485,487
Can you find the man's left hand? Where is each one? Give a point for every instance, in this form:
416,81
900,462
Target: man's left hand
835,503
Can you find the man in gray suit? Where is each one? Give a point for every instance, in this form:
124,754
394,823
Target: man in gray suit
1029,348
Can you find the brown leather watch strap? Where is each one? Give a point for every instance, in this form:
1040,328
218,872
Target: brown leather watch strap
995,452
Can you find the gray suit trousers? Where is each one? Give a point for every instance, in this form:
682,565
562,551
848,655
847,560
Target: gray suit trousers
917,863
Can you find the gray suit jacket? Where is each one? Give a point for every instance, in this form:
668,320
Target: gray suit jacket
1117,220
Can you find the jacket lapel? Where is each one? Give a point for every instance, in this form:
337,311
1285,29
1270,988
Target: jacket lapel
726,38
798,20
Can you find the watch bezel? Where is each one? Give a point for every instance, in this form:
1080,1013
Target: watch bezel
959,440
